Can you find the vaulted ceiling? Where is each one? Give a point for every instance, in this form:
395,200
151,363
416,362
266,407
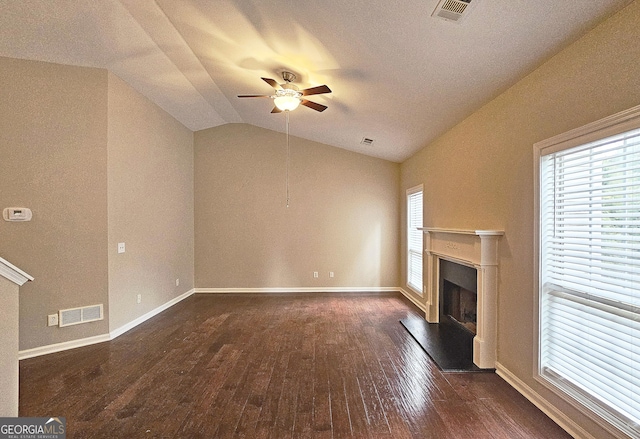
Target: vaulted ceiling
399,75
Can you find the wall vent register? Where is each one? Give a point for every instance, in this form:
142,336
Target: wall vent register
75,316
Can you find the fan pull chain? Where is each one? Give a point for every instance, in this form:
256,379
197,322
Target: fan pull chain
287,178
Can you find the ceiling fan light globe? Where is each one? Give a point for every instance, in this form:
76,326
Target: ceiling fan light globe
286,103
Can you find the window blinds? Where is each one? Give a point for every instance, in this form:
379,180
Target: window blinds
590,276
414,240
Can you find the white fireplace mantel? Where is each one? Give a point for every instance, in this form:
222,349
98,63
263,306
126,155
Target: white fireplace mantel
477,249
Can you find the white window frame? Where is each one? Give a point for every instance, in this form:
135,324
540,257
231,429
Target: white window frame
411,252
617,124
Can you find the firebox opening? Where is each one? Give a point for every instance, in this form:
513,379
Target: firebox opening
460,305
458,295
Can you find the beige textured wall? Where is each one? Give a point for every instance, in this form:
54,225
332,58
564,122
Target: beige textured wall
343,215
9,304
150,199
53,150
480,174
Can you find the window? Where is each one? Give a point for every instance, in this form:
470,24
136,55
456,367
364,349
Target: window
589,269
414,238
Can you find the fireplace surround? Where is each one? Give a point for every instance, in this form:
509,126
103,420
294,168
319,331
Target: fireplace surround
476,249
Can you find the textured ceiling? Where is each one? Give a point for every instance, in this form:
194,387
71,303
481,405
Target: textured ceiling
398,75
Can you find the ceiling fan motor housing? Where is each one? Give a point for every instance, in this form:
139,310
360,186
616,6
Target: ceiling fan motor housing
289,90
289,86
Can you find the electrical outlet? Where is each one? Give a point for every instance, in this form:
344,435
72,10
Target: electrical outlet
139,298
331,274
52,320
121,247
315,274
177,282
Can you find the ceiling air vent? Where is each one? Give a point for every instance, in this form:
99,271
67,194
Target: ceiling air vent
366,141
452,10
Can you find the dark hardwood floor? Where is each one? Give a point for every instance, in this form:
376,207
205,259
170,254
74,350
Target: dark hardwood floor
317,365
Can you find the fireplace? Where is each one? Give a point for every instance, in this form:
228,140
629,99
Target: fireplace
461,270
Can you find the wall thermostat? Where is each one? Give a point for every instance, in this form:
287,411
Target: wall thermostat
17,214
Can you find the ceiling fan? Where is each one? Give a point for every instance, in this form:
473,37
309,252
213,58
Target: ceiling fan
288,96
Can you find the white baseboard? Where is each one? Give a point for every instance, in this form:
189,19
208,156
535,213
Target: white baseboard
545,406
59,347
296,290
143,318
72,344
409,296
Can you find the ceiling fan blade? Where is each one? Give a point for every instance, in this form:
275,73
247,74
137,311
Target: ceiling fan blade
254,96
276,110
272,83
313,105
321,89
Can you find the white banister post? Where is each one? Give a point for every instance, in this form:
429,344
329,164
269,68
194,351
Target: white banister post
11,279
